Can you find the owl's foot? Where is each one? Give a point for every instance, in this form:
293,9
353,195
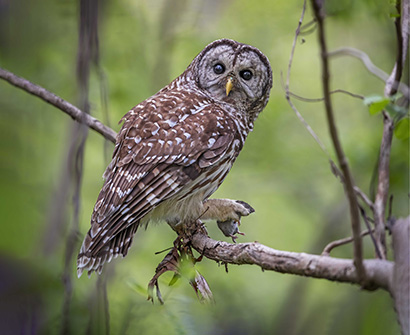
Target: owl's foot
227,214
225,209
180,256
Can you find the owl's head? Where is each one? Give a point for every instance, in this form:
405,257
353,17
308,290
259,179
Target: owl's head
234,73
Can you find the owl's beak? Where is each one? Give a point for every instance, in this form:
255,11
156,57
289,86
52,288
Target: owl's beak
228,86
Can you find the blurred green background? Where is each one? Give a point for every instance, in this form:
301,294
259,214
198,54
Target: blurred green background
281,171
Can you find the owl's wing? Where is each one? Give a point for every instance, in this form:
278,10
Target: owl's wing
159,150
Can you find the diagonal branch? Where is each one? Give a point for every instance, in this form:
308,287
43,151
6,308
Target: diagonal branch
373,69
348,178
334,168
353,52
289,94
58,102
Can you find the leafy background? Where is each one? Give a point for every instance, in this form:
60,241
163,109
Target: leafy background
299,204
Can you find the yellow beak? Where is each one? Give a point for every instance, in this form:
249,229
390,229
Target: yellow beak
228,86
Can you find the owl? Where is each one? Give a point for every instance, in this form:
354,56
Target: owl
175,149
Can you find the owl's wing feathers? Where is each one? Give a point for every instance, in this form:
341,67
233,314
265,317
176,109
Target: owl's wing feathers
157,150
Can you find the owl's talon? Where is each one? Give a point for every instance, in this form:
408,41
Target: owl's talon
248,209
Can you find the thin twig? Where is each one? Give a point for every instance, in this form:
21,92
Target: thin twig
390,207
348,179
366,221
364,197
58,102
334,244
373,69
287,91
298,97
306,125
335,170
293,48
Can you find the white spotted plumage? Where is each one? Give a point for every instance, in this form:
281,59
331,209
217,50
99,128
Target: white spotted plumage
175,149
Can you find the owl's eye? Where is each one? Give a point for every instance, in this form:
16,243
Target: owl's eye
246,74
219,68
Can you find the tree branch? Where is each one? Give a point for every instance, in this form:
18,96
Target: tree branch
380,201
400,287
334,168
348,179
392,83
373,69
378,272
298,97
58,102
328,248
402,33
288,93
364,197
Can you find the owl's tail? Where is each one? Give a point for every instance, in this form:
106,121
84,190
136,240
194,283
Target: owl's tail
92,259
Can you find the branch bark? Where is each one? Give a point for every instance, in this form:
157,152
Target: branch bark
60,103
383,185
347,176
379,272
400,289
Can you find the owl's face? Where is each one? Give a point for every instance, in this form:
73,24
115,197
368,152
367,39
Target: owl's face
235,73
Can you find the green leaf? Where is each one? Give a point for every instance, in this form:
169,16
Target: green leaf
174,279
401,131
396,96
376,103
398,112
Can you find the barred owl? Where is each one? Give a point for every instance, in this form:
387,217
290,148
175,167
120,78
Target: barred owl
175,149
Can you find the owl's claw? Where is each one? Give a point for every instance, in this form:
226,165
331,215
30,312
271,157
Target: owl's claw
246,208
